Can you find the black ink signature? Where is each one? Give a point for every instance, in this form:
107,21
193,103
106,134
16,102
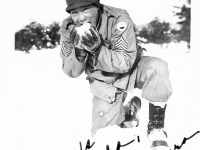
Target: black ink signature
88,146
184,141
119,144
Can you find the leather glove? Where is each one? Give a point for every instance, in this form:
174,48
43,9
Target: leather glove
91,40
80,52
87,37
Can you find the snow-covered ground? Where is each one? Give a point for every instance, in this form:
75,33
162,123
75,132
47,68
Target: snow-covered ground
42,109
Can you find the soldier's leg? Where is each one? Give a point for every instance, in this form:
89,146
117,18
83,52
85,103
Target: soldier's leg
153,79
105,114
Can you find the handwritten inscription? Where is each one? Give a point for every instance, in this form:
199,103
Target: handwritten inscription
119,145
184,141
88,146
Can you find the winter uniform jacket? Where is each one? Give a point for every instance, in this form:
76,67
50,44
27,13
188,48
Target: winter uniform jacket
116,58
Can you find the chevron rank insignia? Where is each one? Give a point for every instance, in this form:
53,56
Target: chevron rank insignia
65,49
121,44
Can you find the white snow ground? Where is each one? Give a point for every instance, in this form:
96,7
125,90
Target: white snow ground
42,109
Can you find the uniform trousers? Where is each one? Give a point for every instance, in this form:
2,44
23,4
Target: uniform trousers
152,77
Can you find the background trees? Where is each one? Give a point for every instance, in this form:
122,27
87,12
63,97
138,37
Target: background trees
156,31
184,15
38,36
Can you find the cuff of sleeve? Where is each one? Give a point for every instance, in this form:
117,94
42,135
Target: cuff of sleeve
83,59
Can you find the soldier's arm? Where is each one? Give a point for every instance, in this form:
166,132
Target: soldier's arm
120,58
70,64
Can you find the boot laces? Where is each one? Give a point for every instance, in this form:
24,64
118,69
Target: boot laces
157,121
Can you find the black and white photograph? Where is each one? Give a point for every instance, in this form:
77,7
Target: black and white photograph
100,75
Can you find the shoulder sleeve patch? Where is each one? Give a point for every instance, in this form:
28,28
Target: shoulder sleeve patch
121,26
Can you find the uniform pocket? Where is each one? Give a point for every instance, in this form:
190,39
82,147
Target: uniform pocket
102,90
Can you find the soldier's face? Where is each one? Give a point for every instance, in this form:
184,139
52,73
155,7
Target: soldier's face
86,14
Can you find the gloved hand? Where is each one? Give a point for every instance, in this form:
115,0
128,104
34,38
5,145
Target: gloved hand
91,40
86,37
80,52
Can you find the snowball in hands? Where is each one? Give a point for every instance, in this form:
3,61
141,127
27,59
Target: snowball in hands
89,37
82,29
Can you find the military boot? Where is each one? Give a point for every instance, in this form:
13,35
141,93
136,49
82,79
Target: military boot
156,134
131,113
